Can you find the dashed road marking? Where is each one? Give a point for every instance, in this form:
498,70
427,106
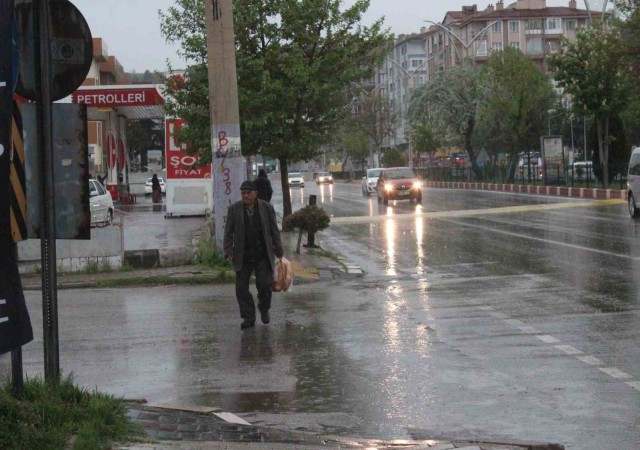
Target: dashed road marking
528,329
548,339
514,322
591,360
615,373
569,350
633,384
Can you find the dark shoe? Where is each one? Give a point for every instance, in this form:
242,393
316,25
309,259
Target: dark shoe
246,323
264,315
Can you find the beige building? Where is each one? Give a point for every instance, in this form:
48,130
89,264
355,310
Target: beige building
528,25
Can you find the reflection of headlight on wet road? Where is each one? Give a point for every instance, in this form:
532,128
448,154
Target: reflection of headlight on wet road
388,187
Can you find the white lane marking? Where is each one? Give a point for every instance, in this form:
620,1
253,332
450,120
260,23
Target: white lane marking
569,350
548,339
528,329
633,384
615,373
486,308
3,83
499,315
3,301
514,322
4,319
591,360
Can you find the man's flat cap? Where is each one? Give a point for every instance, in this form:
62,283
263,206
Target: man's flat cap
248,186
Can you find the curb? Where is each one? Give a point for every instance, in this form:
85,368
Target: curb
555,191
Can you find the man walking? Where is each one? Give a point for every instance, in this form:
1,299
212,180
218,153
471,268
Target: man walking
251,241
263,185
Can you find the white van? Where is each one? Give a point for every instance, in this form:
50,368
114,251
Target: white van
633,183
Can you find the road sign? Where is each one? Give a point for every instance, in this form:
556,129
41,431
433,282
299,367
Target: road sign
71,49
111,150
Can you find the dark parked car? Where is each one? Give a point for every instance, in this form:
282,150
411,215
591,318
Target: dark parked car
398,183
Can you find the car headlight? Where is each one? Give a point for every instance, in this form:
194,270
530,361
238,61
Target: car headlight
417,185
388,187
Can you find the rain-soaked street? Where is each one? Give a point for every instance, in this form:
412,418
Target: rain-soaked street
480,314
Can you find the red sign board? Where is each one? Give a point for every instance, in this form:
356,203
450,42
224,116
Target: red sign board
121,159
111,150
106,98
181,165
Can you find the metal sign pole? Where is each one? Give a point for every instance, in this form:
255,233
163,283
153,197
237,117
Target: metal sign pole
42,23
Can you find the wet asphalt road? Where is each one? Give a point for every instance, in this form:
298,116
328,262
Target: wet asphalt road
518,322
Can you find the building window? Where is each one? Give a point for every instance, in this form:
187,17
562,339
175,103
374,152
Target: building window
514,45
482,48
496,27
534,46
570,24
554,25
554,46
534,26
514,26
416,63
496,46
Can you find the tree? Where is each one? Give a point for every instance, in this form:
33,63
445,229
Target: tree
375,116
394,158
452,98
143,135
590,70
516,96
424,138
292,57
356,145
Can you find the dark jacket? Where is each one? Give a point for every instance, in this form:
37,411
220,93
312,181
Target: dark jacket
234,236
265,191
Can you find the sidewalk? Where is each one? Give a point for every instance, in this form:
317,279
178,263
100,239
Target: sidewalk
308,266
198,428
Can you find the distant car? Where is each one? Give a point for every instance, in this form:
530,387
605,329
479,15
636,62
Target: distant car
100,204
295,179
148,188
633,183
398,183
370,181
324,177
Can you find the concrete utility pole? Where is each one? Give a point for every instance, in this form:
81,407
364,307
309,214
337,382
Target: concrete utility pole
228,166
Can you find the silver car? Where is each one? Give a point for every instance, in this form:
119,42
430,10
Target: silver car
100,204
369,181
295,179
633,183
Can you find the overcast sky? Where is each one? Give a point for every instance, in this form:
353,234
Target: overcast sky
131,28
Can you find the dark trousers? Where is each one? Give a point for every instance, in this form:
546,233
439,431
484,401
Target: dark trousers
264,282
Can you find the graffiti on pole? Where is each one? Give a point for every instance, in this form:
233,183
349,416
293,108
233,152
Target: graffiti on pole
229,171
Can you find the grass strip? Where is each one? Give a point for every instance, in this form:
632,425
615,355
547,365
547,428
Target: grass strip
167,280
46,416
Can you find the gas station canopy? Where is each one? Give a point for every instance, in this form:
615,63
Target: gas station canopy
138,101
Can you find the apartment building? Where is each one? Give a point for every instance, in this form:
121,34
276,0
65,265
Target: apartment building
528,25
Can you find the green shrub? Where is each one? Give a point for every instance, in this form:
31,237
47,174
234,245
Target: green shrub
309,219
206,253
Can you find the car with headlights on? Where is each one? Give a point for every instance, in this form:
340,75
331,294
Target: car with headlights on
100,204
398,183
370,181
295,179
324,178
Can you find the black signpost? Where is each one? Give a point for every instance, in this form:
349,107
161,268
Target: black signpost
55,49
15,324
